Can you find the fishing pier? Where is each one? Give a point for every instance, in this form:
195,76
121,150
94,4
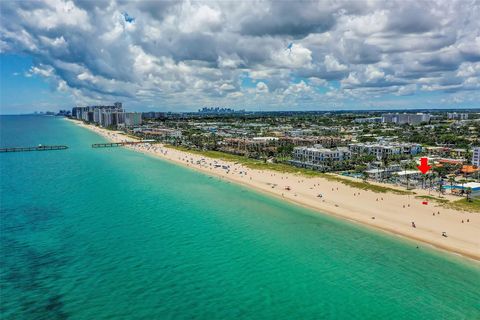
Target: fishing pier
37,148
119,144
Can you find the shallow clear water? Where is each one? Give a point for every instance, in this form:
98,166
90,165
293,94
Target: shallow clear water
113,234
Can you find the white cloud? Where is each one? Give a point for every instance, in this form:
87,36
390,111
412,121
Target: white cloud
297,57
226,87
188,52
332,64
199,18
42,70
261,88
297,88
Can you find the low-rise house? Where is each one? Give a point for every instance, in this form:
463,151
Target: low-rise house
160,133
408,175
470,187
377,174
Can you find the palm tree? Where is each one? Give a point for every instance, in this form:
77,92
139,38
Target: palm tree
441,190
469,192
451,180
385,163
463,183
364,176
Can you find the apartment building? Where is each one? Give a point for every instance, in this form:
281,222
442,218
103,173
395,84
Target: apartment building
404,118
318,157
382,150
476,156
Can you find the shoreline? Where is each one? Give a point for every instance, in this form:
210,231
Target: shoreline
389,213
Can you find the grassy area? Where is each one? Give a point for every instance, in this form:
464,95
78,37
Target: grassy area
285,168
365,185
462,204
432,198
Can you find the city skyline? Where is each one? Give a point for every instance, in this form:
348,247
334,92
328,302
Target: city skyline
182,56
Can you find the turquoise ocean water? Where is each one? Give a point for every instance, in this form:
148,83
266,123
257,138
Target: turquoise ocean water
113,234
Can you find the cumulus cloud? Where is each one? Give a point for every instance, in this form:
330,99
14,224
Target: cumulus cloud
262,87
331,64
194,52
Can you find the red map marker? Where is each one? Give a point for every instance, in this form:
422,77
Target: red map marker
424,167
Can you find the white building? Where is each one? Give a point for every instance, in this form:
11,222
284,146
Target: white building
382,150
457,116
409,175
317,157
110,117
160,132
377,174
133,119
403,118
473,187
105,115
368,120
476,156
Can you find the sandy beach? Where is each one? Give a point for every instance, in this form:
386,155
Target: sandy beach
402,215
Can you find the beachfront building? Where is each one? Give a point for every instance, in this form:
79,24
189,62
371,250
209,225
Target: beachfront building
103,115
385,149
408,177
133,119
318,157
163,134
80,113
378,174
463,188
251,147
109,118
476,157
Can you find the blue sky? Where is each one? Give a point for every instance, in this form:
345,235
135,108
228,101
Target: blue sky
180,56
23,92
